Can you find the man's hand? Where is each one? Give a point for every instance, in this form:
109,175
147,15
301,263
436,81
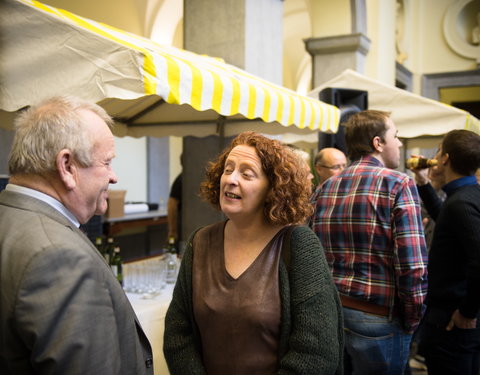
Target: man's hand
458,320
421,176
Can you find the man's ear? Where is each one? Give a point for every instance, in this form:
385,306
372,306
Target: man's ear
444,159
377,144
67,170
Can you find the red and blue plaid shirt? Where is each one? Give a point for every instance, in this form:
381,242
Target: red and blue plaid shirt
368,220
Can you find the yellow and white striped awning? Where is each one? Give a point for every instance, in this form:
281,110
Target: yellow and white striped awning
149,87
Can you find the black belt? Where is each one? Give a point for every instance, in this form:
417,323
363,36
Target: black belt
362,305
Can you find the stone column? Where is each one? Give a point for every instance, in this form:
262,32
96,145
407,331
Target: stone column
332,55
247,34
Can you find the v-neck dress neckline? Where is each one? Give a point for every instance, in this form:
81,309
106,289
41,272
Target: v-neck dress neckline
238,318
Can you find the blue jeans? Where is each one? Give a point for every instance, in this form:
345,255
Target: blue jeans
374,344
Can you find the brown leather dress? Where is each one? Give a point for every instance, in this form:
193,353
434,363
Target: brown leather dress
238,319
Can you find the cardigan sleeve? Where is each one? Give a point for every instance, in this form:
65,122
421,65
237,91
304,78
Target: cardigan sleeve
181,342
315,343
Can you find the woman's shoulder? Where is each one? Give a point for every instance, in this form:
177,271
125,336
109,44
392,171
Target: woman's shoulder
303,232
301,228
303,240
210,230
207,229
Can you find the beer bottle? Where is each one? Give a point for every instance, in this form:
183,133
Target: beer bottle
171,248
116,264
420,163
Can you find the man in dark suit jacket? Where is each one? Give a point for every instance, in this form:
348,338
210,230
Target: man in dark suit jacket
62,311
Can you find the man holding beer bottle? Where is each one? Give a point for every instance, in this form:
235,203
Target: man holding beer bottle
450,337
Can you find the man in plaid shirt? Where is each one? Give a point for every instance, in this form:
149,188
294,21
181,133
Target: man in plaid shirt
368,220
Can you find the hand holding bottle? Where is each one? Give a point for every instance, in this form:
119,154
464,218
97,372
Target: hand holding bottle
421,173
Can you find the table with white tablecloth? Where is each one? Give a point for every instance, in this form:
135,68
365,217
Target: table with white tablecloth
151,313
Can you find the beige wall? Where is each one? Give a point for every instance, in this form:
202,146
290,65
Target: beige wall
124,14
425,43
329,17
427,46
160,20
296,27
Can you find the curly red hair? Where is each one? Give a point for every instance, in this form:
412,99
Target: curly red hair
288,199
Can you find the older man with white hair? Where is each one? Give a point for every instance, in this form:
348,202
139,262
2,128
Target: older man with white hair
62,310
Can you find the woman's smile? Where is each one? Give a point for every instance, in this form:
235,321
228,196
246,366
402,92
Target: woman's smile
232,195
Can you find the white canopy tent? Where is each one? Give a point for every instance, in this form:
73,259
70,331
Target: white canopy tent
414,115
150,89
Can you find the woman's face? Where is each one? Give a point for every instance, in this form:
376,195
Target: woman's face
243,185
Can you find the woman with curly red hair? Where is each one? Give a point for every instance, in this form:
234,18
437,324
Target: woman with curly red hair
254,294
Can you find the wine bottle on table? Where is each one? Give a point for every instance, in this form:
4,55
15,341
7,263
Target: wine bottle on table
109,250
116,264
99,244
171,261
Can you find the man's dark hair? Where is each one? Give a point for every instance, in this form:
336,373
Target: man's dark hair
463,148
361,128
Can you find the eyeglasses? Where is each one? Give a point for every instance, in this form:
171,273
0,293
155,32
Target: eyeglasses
335,167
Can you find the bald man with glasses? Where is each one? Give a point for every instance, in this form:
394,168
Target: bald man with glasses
329,162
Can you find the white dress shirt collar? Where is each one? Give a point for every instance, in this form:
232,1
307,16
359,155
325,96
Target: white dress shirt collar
44,198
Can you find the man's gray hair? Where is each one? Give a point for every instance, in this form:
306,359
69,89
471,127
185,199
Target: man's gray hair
42,131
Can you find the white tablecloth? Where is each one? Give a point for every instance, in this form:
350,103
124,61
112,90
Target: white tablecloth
151,313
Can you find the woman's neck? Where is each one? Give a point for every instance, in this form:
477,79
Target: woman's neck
250,231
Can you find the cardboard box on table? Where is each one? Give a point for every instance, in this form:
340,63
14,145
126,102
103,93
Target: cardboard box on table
116,203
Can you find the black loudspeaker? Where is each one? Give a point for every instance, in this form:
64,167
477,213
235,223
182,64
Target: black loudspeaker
349,102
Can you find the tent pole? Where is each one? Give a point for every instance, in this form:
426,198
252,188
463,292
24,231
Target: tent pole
221,132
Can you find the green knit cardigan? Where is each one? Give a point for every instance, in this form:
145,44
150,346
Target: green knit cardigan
311,333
